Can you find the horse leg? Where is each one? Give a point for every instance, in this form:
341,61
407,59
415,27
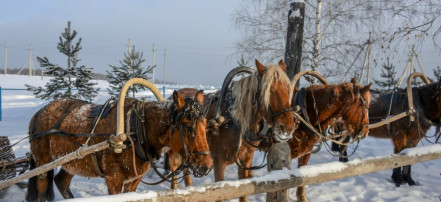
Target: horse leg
412,142
115,183
131,186
407,177
41,186
188,181
397,177
174,182
399,145
247,161
62,180
219,166
301,193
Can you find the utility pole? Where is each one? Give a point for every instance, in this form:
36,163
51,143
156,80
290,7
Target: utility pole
165,62
163,81
154,63
30,61
6,58
130,46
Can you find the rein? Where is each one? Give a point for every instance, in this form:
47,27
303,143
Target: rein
191,110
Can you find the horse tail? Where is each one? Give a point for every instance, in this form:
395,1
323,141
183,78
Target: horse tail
32,193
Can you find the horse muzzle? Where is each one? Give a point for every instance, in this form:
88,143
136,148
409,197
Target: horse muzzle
282,136
200,171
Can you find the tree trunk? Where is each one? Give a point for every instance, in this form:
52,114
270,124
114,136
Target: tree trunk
294,38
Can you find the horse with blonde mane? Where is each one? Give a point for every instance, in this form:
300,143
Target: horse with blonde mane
263,95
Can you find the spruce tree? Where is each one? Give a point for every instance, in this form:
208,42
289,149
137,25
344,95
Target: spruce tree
388,75
130,67
66,80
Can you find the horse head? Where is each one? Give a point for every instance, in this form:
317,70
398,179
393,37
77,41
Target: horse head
356,113
188,137
275,98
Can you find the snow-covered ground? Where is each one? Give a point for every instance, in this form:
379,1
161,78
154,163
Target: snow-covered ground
19,105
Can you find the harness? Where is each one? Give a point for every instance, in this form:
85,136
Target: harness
191,111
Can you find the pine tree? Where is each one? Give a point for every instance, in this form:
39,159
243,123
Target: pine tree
388,73
65,80
437,73
129,68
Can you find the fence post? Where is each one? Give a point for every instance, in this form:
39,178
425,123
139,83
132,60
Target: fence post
279,157
1,103
163,91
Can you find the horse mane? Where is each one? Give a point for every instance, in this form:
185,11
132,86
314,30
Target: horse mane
334,91
245,90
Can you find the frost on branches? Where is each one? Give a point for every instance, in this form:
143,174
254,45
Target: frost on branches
71,82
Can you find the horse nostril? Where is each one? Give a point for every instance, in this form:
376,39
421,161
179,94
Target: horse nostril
203,169
282,129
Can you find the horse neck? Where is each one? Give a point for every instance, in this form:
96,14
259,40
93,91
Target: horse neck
329,106
158,123
429,99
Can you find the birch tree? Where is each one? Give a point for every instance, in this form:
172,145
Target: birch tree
336,30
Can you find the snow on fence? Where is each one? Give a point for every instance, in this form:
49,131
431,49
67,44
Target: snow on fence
284,179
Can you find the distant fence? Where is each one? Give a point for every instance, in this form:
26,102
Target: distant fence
164,89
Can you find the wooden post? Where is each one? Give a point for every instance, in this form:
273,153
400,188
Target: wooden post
279,156
294,38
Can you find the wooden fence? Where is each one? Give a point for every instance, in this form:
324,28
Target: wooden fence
285,179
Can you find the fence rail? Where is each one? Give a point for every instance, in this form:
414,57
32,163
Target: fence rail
279,180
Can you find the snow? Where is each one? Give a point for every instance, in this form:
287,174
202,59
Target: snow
295,14
19,105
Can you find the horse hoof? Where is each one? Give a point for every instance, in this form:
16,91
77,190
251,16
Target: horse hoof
411,182
344,160
397,180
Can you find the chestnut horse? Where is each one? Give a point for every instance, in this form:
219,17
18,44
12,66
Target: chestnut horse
404,133
263,95
56,130
321,106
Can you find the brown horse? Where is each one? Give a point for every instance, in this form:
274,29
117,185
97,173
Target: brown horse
263,95
321,106
55,131
404,133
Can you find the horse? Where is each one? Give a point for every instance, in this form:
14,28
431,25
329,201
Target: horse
404,133
263,95
323,105
62,127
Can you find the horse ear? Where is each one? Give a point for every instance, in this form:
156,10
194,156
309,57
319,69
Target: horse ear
200,97
354,81
260,67
178,100
365,89
282,65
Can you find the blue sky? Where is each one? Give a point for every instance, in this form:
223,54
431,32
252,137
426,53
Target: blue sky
198,34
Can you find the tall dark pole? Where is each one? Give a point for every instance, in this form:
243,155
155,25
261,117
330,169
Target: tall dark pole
279,154
294,39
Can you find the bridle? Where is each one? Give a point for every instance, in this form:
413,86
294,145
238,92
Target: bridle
192,111
273,115
359,135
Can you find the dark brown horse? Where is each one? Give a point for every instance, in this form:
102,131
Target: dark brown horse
321,106
54,131
263,95
404,133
